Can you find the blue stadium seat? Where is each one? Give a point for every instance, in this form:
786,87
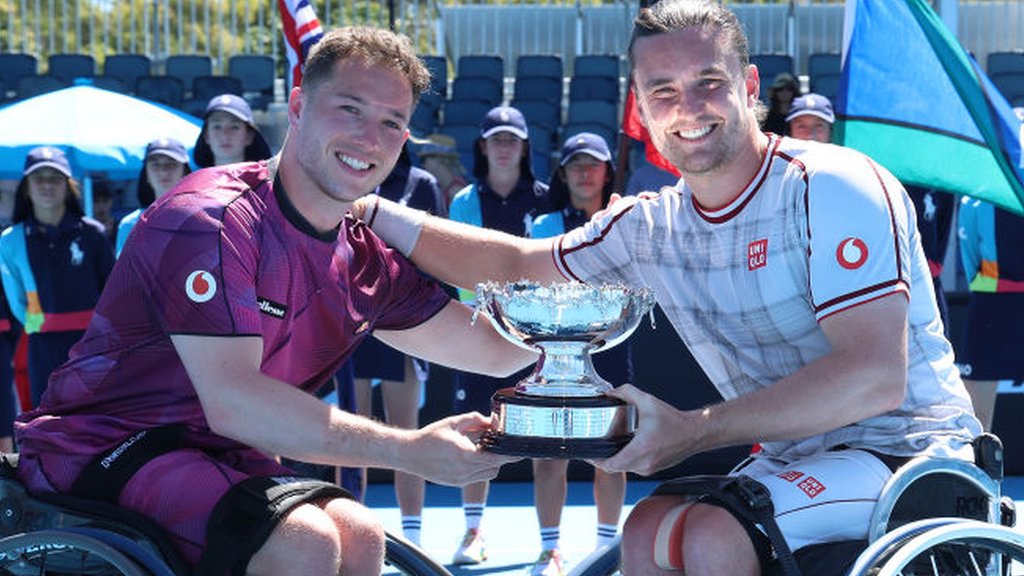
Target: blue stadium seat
539,65
594,88
186,67
465,137
1004,61
67,67
481,66
609,134
425,118
769,66
477,88
29,86
438,67
823,63
256,73
166,90
16,65
595,111
606,65
827,85
127,68
1010,84
111,83
206,88
541,112
538,88
465,112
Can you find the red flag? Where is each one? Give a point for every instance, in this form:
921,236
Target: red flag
301,31
635,129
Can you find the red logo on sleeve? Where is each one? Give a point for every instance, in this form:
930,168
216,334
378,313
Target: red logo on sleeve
811,486
200,286
791,475
852,253
757,254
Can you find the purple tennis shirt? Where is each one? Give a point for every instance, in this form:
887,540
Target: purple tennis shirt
224,254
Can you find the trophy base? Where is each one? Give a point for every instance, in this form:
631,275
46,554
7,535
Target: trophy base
557,426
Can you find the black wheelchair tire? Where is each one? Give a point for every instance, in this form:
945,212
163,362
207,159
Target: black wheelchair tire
407,558
61,552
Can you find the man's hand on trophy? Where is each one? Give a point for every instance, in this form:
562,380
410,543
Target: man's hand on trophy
448,451
663,435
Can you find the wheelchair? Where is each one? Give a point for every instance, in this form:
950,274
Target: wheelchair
61,535
934,517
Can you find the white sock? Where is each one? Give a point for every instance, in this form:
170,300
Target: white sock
411,526
549,538
474,512
606,534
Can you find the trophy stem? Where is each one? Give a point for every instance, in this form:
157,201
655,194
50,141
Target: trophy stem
564,369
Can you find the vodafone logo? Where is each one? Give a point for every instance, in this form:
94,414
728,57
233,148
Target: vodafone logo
200,286
852,253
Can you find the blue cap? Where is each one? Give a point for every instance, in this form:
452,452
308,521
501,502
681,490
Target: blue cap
168,147
813,104
232,104
585,143
47,157
504,119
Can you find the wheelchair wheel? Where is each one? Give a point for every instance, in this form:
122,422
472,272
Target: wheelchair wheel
604,561
58,552
404,557
944,547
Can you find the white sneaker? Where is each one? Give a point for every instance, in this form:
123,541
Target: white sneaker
548,564
472,550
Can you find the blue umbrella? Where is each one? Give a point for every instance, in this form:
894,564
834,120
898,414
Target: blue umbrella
99,130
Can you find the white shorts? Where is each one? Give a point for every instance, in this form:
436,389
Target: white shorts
824,498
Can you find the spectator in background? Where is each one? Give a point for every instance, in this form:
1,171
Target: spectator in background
54,262
439,156
581,186
401,378
781,94
229,134
166,163
103,205
506,197
811,118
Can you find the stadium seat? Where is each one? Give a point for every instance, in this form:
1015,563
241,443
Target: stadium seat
594,88
29,86
110,83
186,67
609,134
425,118
16,65
438,67
538,88
606,65
477,88
166,90
541,112
823,63
127,68
67,67
594,111
1010,84
465,137
769,66
539,65
481,66
205,88
465,112
256,73
827,85
1004,61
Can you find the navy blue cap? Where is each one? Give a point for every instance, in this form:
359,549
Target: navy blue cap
585,143
232,104
813,104
168,147
504,119
47,157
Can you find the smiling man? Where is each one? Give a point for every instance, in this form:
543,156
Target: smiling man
240,293
794,273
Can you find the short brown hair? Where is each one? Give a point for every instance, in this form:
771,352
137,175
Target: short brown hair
671,15
377,46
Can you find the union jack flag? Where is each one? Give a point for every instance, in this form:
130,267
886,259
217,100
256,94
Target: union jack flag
301,31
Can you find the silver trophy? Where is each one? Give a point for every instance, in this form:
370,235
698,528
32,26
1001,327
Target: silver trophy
560,410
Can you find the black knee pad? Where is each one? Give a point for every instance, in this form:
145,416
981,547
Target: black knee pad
246,515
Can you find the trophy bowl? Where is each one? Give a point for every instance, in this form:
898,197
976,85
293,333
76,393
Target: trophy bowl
561,410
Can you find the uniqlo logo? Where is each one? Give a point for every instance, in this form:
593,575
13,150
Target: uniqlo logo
811,487
791,476
757,254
